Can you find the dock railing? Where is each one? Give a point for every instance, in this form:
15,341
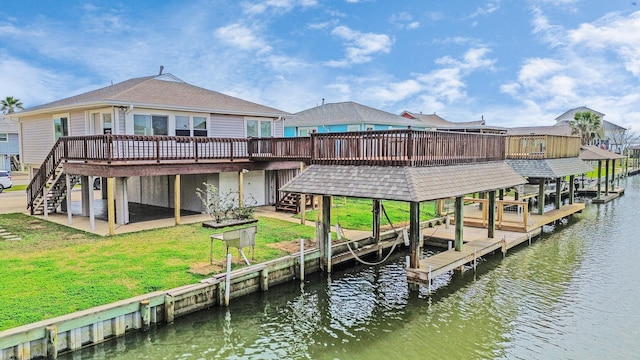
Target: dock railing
532,147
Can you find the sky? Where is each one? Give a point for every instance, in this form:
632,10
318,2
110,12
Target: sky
512,63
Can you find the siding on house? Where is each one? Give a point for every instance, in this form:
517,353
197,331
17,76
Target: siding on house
11,146
227,126
77,124
278,128
37,139
188,185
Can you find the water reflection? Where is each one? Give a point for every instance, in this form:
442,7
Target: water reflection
571,294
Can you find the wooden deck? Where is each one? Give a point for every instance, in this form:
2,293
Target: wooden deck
477,244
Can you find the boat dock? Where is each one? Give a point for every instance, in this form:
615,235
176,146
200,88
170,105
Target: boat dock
477,243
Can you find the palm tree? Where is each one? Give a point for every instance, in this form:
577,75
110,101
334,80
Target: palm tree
10,104
586,124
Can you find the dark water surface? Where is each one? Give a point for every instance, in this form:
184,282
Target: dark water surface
573,294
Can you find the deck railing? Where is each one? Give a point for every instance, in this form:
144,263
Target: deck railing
405,148
542,146
113,148
298,148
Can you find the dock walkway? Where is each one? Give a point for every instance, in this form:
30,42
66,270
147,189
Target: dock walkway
477,243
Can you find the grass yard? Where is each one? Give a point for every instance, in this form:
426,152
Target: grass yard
356,214
55,270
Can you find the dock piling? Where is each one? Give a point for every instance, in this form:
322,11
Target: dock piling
227,283
302,260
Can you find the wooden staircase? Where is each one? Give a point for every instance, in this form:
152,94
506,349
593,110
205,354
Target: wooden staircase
291,203
50,183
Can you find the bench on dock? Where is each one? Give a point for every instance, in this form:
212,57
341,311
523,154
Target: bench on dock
237,238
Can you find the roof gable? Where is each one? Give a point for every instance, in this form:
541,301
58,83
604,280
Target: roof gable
348,113
163,91
569,114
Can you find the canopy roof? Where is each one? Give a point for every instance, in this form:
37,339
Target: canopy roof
549,168
592,152
403,183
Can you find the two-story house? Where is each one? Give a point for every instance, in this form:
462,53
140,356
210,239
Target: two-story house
9,145
157,139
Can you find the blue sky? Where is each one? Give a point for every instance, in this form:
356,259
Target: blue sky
515,63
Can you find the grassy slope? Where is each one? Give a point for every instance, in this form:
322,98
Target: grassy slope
56,270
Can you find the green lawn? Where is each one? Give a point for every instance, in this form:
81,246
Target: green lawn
357,214
55,270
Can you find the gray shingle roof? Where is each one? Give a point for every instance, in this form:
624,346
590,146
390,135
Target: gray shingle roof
591,152
549,168
403,183
164,91
348,113
437,121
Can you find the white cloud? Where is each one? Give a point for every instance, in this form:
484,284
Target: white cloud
360,47
404,20
281,6
488,8
241,37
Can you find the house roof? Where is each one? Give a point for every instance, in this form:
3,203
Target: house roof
403,183
591,152
561,130
549,168
434,120
348,113
569,114
163,91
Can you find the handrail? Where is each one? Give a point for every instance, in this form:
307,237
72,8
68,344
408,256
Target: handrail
46,170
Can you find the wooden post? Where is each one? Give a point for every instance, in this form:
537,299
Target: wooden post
92,212
176,199
541,196
525,214
376,221
613,175
169,309
51,336
606,176
241,188
68,184
599,179
501,194
264,279
572,189
440,205
491,208
558,199
303,209
325,232
414,234
111,211
459,215
145,314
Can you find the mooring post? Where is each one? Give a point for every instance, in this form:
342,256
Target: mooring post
51,334
169,309
227,283
329,252
475,256
572,189
414,233
325,232
301,260
376,225
504,246
430,279
558,199
541,199
599,179
459,218
145,314
492,214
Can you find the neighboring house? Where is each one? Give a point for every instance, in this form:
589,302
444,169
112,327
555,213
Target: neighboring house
159,128
343,117
9,145
610,136
559,130
435,122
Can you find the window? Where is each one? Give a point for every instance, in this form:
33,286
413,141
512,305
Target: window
199,126
353,127
369,127
306,131
184,128
259,128
4,137
60,127
150,124
102,123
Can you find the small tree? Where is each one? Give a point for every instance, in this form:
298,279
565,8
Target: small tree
586,124
211,201
10,104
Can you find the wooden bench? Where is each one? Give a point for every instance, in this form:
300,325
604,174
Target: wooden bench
237,238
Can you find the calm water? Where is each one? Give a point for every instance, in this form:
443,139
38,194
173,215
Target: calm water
572,294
